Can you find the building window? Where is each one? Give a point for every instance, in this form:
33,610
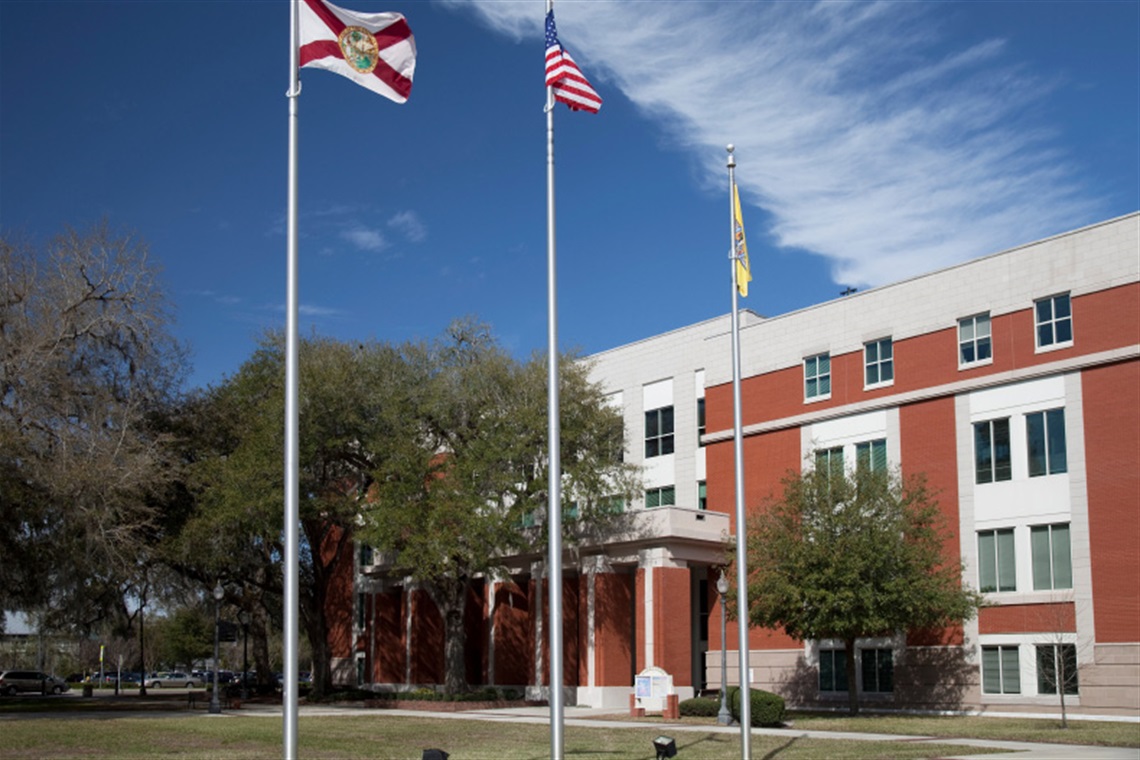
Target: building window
1054,321
974,345
1056,666
665,496
1045,432
361,672
817,376
991,451
1001,671
878,670
832,670
360,619
700,421
996,565
871,456
702,495
659,432
878,356
829,461
1052,557
366,555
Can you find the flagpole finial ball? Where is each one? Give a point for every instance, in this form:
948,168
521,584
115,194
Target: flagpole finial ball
731,147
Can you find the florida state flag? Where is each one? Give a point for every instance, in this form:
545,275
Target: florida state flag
375,50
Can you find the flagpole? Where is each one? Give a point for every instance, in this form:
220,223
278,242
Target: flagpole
554,506
292,449
738,457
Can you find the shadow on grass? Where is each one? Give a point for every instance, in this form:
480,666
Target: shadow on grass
778,750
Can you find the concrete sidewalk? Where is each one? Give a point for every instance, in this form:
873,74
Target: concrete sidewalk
586,718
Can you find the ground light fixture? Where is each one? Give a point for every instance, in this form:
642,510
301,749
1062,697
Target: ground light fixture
723,717
434,754
665,747
219,592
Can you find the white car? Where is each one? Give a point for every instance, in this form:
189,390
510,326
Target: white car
172,678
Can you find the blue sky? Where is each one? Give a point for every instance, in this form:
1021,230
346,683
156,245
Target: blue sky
874,141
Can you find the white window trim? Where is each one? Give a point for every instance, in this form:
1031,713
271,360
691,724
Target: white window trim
958,342
803,369
1026,644
882,383
1037,347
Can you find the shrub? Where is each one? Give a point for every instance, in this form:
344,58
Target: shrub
767,708
700,707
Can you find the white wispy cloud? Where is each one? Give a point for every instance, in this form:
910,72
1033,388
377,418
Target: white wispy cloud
409,225
364,238
863,132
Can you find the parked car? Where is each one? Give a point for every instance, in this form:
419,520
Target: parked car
172,678
14,681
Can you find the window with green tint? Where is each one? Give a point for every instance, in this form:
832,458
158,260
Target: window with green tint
664,496
1052,556
817,376
702,495
1001,670
879,362
991,451
659,432
996,562
829,461
871,456
1054,320
832,670
1056,666
974,346
878,667
1045,439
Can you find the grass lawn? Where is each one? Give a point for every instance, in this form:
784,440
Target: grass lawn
376,735
56,727
1008,729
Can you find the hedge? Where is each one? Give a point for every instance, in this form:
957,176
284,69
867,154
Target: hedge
767,708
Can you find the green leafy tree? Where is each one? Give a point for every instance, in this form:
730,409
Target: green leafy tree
230,514
455,497
182,638
851,555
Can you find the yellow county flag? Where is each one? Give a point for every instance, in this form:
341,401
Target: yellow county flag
375,50
739,247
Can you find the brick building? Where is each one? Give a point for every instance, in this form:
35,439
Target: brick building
1012,382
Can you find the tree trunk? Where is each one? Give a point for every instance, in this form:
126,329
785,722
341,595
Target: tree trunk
852,684
450,597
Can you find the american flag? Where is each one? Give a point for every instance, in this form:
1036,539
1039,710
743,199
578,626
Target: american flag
569,83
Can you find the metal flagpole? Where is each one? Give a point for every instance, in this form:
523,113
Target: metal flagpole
292,455
554,506
738,456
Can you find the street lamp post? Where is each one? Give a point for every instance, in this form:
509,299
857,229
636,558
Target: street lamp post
219,592
243,618
724,717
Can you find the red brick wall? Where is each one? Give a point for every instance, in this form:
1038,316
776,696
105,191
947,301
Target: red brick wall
1112,460
475,625
514,649
427,640
339,608
613,635
640,579
672,623
570,642
1028,618
390,645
